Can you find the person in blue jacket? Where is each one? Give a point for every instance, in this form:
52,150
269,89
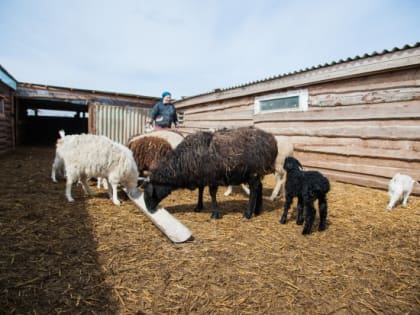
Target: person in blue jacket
163,113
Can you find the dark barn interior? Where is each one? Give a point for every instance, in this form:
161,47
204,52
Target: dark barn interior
39,120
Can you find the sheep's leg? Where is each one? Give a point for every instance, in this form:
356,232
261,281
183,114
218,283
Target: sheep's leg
300,219
55,167
286,208
228,190
255,187
323,210
109,190
53,177
406,195
277,188
309,217
114,193
394,197
245,189
85,186
199,205
215,214
69,183
258,204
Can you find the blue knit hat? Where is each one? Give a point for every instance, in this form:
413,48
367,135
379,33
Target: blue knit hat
166,93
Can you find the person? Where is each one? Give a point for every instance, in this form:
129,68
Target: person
163,113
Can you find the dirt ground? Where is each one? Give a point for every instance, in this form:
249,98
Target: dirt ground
92,257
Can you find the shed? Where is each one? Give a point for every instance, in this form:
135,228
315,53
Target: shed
356,120
42,110
8,86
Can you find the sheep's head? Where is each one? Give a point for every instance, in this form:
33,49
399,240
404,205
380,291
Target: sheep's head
290,163
154,194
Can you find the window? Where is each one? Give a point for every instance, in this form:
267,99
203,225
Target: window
296,100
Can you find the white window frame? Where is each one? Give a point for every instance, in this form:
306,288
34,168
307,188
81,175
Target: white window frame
301,93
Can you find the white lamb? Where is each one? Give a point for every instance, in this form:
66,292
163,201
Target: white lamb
285,149
87,156
400,186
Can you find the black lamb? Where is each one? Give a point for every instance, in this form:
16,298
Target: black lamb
308,186
225,157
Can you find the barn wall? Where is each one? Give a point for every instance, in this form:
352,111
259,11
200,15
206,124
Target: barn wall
359,130
6,119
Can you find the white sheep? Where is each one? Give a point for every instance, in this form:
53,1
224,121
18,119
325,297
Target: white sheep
285,149
87,156
400,186
58,164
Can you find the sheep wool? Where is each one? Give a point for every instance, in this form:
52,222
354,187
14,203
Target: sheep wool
87,156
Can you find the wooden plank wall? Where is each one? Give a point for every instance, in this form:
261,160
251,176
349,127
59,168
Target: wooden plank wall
360,130
6,120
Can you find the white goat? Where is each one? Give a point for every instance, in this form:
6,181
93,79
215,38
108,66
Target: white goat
400,186
285,149
88,156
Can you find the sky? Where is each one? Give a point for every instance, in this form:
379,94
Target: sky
191,47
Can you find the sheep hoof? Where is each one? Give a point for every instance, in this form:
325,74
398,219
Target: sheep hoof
197,209
215,216
299,222
283,220
306,231
246,217
322,228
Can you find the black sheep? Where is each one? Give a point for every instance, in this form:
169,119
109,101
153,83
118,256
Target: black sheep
225,157
308,186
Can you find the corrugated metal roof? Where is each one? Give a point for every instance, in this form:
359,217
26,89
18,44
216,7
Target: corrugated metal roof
349,59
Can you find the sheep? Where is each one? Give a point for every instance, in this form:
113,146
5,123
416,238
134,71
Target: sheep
308,186
285,148
58,164
88,155
59,169
148,149
225,157
400,186
173,137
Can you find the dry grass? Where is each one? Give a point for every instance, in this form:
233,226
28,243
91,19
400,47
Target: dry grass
91,257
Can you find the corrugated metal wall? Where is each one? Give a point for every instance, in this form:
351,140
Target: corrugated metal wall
119,123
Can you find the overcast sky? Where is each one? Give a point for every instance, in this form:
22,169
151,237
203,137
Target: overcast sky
191,47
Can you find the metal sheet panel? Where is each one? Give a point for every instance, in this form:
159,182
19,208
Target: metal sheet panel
120,123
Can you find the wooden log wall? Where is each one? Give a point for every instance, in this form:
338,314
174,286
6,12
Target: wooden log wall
359,130
6,119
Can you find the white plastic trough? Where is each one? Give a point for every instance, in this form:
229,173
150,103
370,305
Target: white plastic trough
168,224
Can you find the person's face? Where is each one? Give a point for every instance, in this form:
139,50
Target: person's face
167,99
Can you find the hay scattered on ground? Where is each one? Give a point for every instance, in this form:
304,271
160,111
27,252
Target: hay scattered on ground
91,257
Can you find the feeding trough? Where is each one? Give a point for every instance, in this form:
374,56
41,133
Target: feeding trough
168,224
